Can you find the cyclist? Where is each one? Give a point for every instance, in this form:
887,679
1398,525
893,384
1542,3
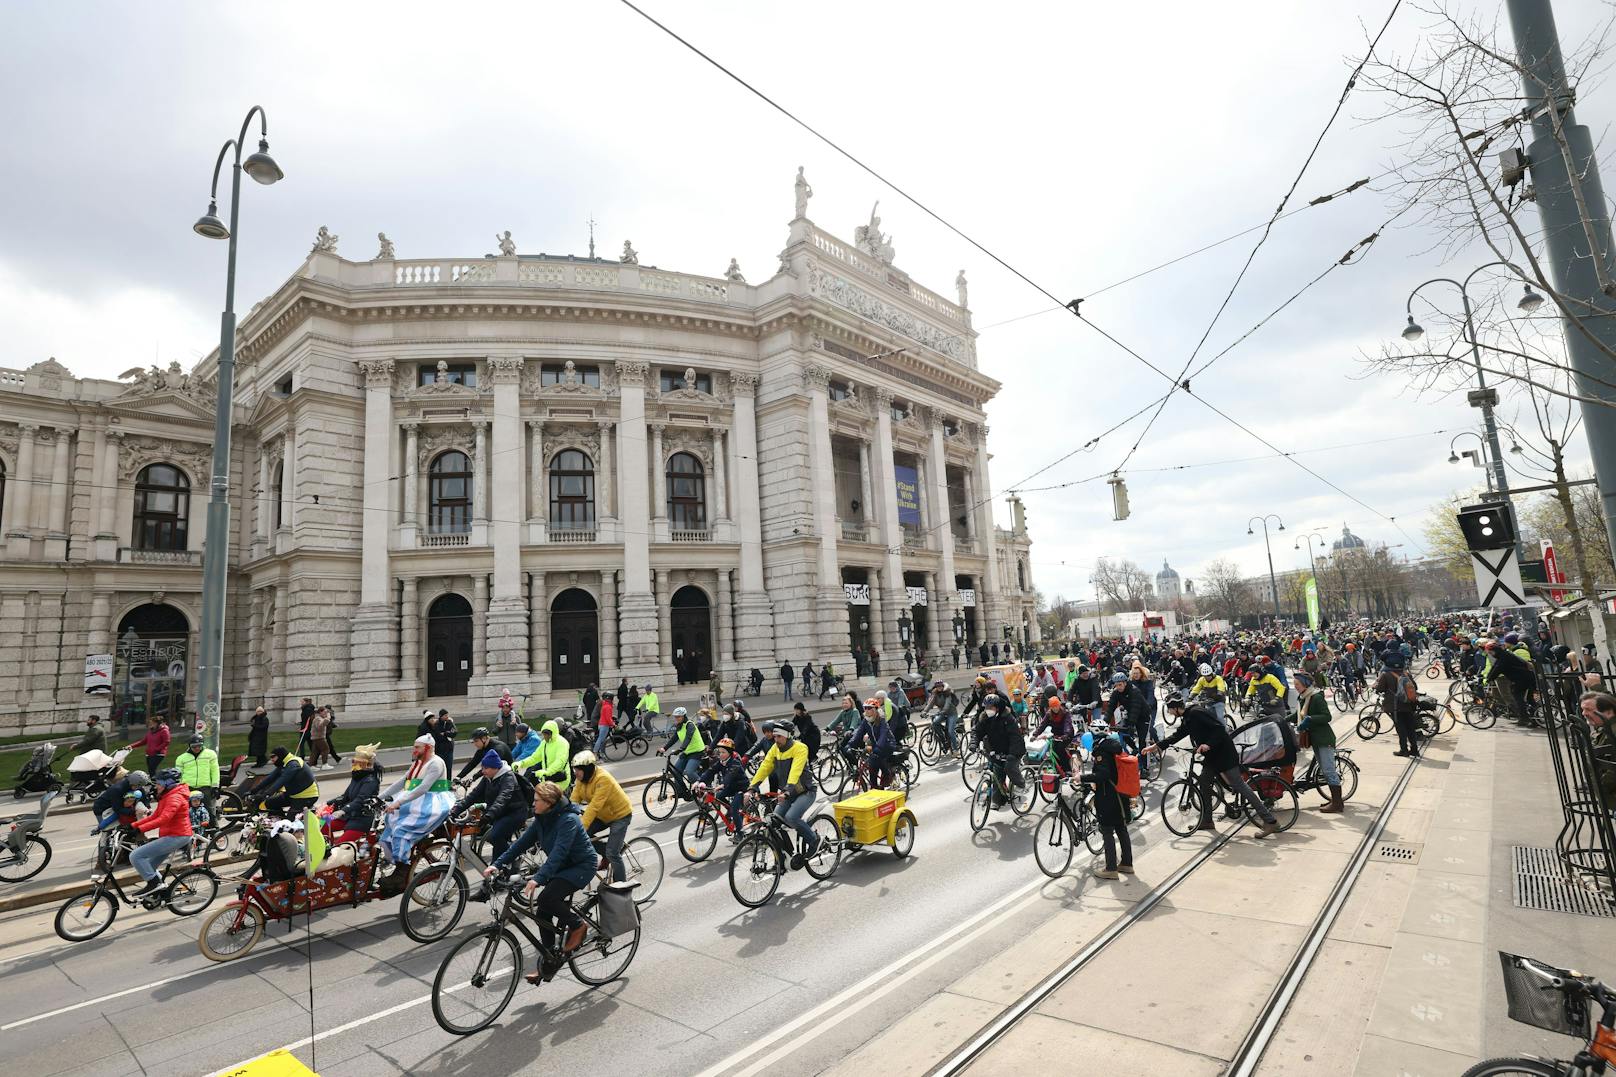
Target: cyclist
1110,810
1266,675
687,738
736,728
1502,661
726,775
503,801
569,861
290,773
1062,732
1000,733
1211,739
606,807
171,820
527,743
549,763
1315,723
481,743
807,731
945,713
883,745
1084,689
1211,688
798,795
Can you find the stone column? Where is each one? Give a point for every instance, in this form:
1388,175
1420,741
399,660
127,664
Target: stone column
988,605
373,642
538,605
640,658
867,512
255,646
971,509
536,492
507,613
720,476
278,668
608,627
19,535
603,473
56,524
479,623
106,497
264,504
479,477
659,477
289,478
934,619
664,626
98,640
754,612
942,596
886,500
878,617
412,480
726,630
831,606
410,632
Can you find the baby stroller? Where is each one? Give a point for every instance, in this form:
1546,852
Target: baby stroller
90,774
36,775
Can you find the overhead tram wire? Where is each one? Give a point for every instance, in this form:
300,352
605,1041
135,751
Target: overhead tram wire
1073,305
1251,256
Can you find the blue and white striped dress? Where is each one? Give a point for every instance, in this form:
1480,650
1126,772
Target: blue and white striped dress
425,802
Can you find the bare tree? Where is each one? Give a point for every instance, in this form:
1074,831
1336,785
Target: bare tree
1123,584
1225,591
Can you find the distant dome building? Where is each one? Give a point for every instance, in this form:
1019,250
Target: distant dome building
1347,541
1167,582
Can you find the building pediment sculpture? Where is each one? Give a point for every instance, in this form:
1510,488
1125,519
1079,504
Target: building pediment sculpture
631,257
733,273
173,381
868,238
803,192
440,385
843,293
441,437
507,245
698,443
325,240
196,460
561,436
385,251
569,384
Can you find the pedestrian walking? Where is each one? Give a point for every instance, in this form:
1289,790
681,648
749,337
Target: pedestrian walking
787,677
318,725
954,653
258,737
1111,809
154,743
908,661
875,663
304,717
715,687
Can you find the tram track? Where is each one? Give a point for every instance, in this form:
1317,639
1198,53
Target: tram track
1250,1051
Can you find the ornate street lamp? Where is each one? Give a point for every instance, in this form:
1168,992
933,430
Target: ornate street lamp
904,624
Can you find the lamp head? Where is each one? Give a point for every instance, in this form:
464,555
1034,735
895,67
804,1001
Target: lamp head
1453,457
261,166
1412,331
209,224
1515,448
1530,301
1281,526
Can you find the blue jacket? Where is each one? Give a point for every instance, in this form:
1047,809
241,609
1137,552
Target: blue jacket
882,742
568,853
526,746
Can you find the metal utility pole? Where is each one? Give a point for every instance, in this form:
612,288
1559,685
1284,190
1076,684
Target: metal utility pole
1273,585
1578,236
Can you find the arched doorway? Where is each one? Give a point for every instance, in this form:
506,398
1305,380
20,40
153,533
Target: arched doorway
690,623
574,629
448,646
151,663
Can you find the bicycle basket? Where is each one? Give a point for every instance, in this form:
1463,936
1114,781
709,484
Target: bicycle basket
618,913
1538,997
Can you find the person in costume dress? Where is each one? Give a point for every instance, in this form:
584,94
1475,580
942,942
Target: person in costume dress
417,802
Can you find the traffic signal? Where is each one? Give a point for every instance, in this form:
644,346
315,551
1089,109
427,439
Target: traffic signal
1489,526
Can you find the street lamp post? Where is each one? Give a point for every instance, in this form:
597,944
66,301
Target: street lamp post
216,544
1312,566
1478,454
904,624
1273,586
959,626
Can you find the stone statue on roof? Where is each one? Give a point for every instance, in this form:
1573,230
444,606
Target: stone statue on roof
386,250
868,238
804,193
631,257
507,245
325,240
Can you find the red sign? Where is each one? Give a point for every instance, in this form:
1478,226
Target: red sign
1551,570
1155,622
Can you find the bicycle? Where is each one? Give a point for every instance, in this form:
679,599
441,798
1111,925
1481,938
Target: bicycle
1059,829
479,977
435,897
698,836
995,784
663,796
860,780
1427,723
1313,776
1555,1000
25,852
1345,693
759,861
621,742
1181,800
84,916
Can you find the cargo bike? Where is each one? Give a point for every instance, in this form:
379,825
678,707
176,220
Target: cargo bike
760,858
432,894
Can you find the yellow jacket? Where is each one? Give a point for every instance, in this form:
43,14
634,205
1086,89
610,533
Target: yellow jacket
1269,679
796,755
1213,683
602,798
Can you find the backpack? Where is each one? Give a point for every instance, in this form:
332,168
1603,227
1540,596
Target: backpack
577,738
1410,691
524,784
1127,774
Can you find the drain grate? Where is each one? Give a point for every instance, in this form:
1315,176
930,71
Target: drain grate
1541,883
1397,852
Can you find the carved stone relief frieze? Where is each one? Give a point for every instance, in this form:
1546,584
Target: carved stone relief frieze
845,294
139,452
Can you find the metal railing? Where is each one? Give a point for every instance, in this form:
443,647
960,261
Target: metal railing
1586,843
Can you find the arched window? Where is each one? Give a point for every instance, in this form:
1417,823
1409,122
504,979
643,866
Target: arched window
449,493
2,489
572,492
687,494
280,478
1021,575
162,507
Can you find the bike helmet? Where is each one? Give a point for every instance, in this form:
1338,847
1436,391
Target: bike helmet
522,729
725,742
1175,700
939,686
992,699
168,776
783,729
1119,678
585,758
1204,670
1352,647
872,704
194,742
680,712
480,731
138,779
1055,703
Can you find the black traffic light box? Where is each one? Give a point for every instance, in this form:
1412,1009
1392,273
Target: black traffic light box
1489,526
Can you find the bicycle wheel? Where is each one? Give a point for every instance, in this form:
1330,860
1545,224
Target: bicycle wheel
1088,825
1024,796
36,853
1480,716
698,837
1053,841
191,892
643,863
615,749
1447,718
1369,727
755,870
1349,775
929,747
433,903
828,770
1433,672
981,802
828,857
1341,699
1150,766
231,931
910,768
1509,1067
84,916
476,981
1181,807
660,798
601,958
638,745
971,771
1280,796
903,834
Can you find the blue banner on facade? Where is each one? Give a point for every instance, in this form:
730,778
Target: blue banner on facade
908,495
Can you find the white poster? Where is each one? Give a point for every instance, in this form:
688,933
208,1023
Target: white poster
98,674
967,596
917,596
858,594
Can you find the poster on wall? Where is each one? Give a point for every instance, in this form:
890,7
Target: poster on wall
908,483
967,596
858,594
917,596
98,675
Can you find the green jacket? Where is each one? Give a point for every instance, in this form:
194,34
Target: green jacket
199,771
1316,721
549,762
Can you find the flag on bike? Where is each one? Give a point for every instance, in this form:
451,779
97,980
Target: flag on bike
314,843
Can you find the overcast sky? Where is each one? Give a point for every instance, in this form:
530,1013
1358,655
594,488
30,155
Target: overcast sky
1080,143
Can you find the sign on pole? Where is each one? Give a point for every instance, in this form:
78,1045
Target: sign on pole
1498,578
98,674
1551,570
1312,592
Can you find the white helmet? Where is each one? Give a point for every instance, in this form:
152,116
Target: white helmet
880,693
680,712
1205,670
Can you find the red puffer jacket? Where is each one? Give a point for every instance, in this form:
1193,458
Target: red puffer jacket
172,816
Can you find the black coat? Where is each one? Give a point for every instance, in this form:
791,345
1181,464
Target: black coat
1109,805
1002,734
500,748
502,794
363,786
1201,726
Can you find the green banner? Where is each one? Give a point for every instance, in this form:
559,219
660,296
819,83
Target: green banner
1312,603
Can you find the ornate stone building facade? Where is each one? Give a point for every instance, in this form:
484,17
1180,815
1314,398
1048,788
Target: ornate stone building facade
454,476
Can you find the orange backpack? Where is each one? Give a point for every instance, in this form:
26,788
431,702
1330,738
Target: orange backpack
1127,775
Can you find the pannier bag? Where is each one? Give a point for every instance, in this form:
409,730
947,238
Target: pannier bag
618,913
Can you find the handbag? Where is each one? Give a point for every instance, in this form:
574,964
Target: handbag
1304,740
